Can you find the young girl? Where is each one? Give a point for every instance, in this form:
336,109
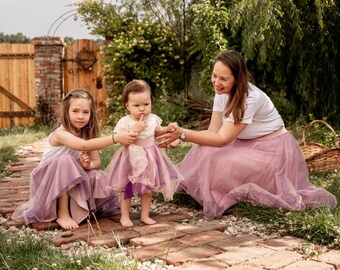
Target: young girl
67,184
141,168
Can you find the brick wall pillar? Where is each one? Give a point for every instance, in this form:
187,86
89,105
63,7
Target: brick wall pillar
48,56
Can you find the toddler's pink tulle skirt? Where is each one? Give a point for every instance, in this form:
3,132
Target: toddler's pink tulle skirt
267,171
86,189
141,168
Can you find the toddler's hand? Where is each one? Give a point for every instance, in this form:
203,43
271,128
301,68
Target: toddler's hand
140,125
172,127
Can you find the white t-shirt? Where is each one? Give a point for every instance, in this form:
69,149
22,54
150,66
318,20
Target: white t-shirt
260,115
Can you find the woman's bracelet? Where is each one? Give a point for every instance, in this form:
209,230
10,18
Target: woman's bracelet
113,137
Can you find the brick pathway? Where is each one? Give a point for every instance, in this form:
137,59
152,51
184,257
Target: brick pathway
195,247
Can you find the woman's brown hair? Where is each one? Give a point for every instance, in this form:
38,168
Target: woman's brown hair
239,92
91,130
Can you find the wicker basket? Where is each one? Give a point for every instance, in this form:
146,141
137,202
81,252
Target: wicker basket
320,158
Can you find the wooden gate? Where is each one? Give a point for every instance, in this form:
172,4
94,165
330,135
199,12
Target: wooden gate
17,95
83,69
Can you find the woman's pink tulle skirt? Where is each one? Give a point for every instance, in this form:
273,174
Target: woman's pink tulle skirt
87,191
267,171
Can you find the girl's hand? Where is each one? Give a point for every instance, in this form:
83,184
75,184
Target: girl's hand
125,137
85,160
140,125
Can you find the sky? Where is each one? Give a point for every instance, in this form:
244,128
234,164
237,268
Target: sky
36,18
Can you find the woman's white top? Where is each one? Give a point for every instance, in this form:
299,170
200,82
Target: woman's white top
127,122
260,115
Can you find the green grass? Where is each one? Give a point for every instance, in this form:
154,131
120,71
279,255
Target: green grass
11,140
27,252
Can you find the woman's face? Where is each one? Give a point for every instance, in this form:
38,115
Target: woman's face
222,78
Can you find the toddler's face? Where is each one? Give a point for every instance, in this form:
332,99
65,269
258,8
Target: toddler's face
139,104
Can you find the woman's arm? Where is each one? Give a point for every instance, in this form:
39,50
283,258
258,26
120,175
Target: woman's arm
63,137
227,133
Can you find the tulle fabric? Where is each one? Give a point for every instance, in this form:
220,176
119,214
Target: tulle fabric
87,190
142,167
267,171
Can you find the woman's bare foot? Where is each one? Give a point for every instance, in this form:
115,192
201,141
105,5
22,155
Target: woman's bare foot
148,221
67,223
126,222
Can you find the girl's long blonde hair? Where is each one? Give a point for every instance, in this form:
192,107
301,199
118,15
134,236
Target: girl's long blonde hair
91,130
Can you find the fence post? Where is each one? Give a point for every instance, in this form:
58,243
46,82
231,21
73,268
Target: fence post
48,52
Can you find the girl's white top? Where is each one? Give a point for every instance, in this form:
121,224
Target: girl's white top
54,151
260,115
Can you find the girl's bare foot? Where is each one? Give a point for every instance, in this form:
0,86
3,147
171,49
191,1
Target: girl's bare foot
126,222
148,221
67,223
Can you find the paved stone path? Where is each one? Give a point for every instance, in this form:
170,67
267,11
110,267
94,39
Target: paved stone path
185,246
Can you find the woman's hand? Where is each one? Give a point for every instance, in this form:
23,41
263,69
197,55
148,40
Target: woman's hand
174,133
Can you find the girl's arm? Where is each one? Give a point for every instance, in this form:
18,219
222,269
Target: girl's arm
90,160
63,137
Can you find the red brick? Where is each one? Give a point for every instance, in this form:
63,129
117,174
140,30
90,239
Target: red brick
156,238
202,238
188,254
192,229
171,217
244,267
156,228
159,250
331,257
45,226
236,241
203,264
242,254
277,260
309,265
287,242
113,238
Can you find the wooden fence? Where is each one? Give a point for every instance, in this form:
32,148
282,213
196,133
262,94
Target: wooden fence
17,95
44,70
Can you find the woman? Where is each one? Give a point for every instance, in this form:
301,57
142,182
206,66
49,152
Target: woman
248,155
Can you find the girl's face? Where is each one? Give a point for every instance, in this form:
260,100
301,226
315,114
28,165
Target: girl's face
139,104
222,78
79,112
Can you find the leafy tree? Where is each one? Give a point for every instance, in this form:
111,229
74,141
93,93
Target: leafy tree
18,38
292,48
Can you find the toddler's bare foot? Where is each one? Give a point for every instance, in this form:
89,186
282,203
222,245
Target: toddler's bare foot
126,222
148,221
67,223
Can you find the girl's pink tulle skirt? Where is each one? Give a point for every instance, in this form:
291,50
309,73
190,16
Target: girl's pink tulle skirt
86,189
267,171
142,167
